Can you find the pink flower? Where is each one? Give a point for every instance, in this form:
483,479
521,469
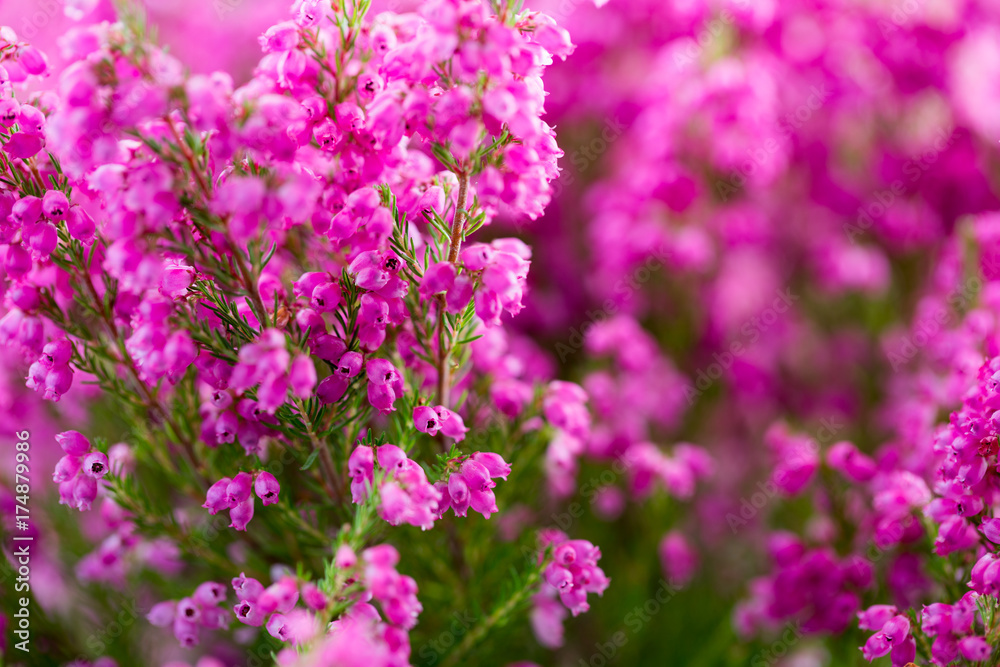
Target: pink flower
247,588
574,572
893,634
73,443
494,464
451,423
241,513
876,616
426,420
266,487
67,468
162,614
974,649
547,618
385,385
437,278
95,465
55,205
361,467
677,558
280,596
238,489
845,458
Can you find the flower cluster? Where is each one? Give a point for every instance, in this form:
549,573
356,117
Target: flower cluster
405,494
259,606
953,626
362,632
744,312
893,637
79,471
472,485
432,420
188,616
125,551
267,366
812,585
573,572
51,375
235,495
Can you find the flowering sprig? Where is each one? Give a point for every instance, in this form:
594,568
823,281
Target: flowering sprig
269,283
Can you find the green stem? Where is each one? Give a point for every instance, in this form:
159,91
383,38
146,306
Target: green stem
444,350
332,481
499,616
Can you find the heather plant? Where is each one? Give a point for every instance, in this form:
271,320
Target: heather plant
276,290
473,332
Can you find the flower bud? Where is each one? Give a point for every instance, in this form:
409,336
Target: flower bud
266,488
73,443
